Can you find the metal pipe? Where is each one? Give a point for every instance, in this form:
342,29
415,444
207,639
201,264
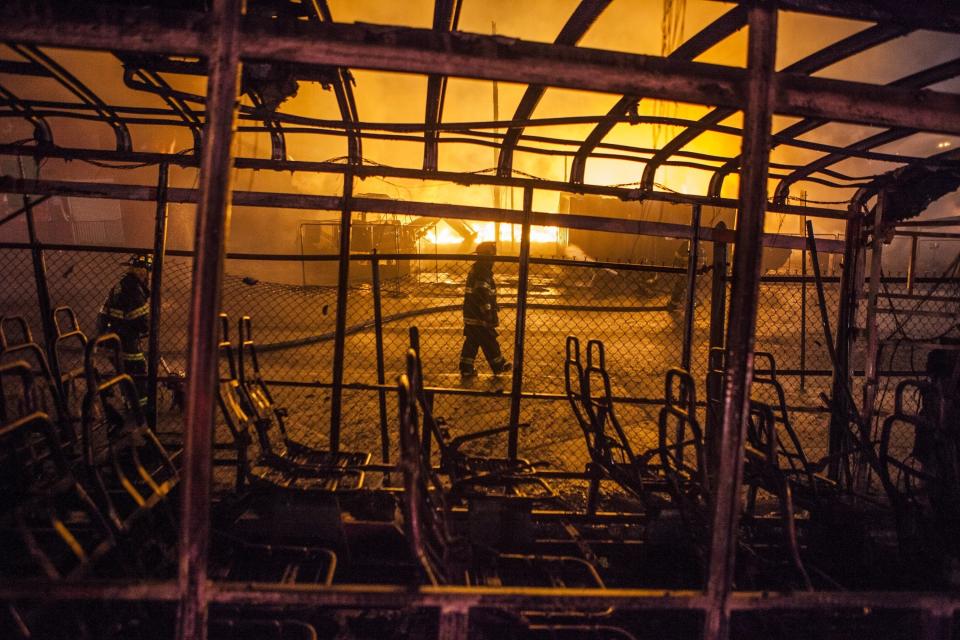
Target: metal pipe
156,292
440,210
912,265
693,258
410,50
454,623
872,354
839,420
521,321
212,223
381,373
744,293
14,214
718,308
43,294
339,340
803,311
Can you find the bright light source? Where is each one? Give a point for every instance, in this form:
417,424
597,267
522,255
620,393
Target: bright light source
943,145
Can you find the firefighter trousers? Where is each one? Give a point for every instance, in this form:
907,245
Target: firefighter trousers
476,338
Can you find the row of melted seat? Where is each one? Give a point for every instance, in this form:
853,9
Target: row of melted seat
90,492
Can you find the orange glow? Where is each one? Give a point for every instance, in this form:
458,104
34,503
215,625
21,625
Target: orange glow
443,234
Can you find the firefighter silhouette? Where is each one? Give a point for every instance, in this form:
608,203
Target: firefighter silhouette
480,315
126,312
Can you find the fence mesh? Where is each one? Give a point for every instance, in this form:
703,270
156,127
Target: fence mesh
636,310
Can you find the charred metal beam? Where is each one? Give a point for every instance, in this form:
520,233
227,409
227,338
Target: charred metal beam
933,15
343,90
73,84
212,223
689,299
156,292
845,48
377,205
577,25
446,14
43,108
154,83
469,55
509,598
784,136
933,75
367,171
718,30
41,128
519,333
741,326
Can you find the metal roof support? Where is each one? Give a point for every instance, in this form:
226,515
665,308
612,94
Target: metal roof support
41,128
577,25
790,133
77,88
276,200
212,223
934,15
927,77
741,325
718,30
446,14
849,46
412,50
153,82
343,91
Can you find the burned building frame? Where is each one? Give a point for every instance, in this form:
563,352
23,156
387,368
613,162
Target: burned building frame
248,48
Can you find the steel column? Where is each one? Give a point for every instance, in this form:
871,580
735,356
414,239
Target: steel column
693,258
156,286
339,340
718,308
912,265
454,623
803,310
212,222
381,373
761,55
43,292
872,355
520,326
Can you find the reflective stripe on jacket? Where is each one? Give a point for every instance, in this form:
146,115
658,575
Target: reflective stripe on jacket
480,296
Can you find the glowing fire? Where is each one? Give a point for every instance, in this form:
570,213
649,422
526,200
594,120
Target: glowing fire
444,234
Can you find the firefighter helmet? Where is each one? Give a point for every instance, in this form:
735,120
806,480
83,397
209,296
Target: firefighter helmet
488,248
140,261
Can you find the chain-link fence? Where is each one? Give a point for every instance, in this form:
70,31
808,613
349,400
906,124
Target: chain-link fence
637,310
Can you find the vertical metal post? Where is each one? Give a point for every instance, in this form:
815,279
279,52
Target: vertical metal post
43,297
212,223
339,339
912,265
840,409
871,379
936,625
718,307
718,290
381,373
156,285
454,624
693,258
521,323
744,292
803,311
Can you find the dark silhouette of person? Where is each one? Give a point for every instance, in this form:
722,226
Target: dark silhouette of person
480,315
